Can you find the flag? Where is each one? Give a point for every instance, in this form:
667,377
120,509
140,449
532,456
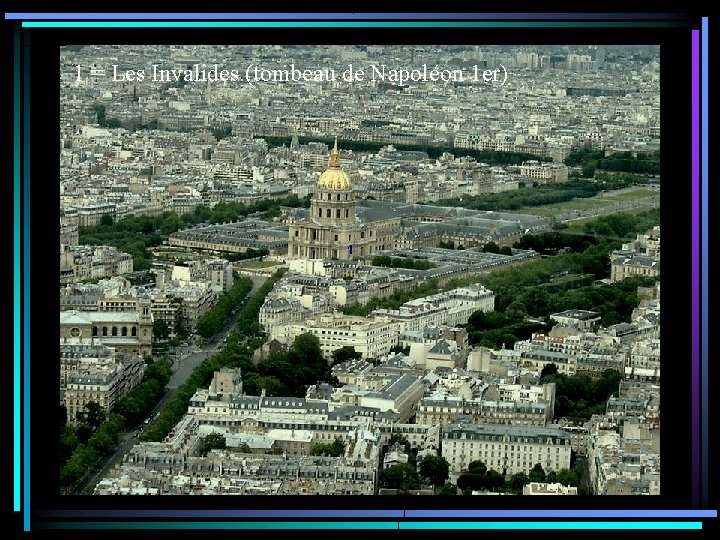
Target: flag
350,249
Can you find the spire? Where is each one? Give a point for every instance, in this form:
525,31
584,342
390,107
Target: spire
335,157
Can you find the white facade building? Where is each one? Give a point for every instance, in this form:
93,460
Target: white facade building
507,449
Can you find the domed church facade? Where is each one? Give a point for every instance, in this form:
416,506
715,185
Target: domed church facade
333,230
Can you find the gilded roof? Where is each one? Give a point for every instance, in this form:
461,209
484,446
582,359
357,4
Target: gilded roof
334,177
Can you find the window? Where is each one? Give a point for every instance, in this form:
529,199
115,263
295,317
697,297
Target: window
337,213
336,236
319,212
328,213
296,233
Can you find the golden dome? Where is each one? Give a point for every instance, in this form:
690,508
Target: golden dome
334,177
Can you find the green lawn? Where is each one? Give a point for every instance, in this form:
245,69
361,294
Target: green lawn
599,201
258,264
577,225
630,195
554,209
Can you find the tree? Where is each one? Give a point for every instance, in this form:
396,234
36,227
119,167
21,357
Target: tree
494,480
211,442
491,247
244,448
334,449
401,439
516,310
537,474
588,169
400,349
474,478
402,476
307,347
446,489
471,481
92,414
68,443
113,122
518,480
548,370
434,468
477,321
477,467
161,330
345,353
568,477
99,109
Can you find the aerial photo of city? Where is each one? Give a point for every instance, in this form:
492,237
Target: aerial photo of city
360,270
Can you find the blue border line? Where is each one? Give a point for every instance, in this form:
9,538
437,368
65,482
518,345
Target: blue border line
386,525
695,266
339,16
26,287
351,24
17,470
704,259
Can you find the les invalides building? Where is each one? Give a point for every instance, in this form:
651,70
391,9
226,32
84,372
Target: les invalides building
333,229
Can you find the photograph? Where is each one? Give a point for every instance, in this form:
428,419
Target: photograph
360,269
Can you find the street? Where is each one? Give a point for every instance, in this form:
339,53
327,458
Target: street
183,367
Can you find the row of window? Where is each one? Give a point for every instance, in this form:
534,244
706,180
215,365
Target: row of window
329,197
329,213
114,331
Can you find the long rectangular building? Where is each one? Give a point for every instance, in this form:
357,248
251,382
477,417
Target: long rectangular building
371,337
449,308
507,449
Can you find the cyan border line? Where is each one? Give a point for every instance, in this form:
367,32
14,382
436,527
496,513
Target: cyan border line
340,16
437,513
350,24
695,266
552,525
441,513
384,525
704,258
16,274
26,285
